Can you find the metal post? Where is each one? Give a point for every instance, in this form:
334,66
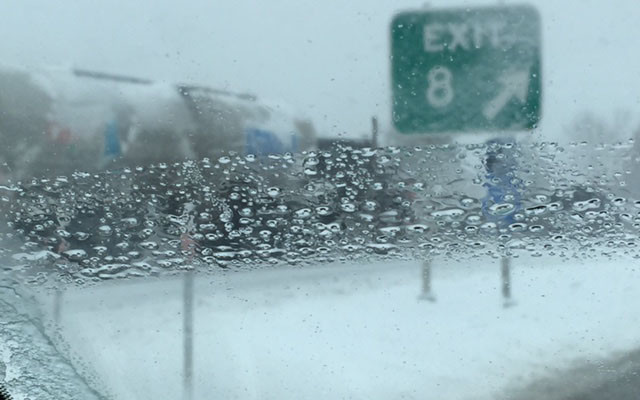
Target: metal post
426,294
188,334
505,267
57,306
374,132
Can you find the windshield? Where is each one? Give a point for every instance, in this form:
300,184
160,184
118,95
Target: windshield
292,199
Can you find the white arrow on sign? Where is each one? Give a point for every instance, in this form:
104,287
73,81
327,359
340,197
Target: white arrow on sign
514,84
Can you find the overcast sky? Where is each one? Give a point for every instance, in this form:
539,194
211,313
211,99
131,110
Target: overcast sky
328,59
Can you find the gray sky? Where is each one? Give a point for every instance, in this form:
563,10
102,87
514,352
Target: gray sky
328,60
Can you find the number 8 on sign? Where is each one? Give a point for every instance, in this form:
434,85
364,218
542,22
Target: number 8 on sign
439,91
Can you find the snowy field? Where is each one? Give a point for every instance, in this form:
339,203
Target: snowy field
355,331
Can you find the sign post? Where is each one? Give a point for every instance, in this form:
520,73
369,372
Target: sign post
471,69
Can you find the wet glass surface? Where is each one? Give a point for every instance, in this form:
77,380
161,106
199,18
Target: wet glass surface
380,200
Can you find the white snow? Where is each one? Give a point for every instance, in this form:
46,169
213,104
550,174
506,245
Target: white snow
356,331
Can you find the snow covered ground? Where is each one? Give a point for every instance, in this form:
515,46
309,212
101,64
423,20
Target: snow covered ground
355,331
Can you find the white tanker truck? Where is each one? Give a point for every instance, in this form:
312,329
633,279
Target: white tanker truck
54,122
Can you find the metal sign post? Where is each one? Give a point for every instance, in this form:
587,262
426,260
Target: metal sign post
504,189
188,334
427,293
505,275
468,69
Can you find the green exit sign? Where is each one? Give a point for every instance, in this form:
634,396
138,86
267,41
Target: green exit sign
466,69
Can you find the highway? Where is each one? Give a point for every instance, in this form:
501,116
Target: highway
363,331
614,378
